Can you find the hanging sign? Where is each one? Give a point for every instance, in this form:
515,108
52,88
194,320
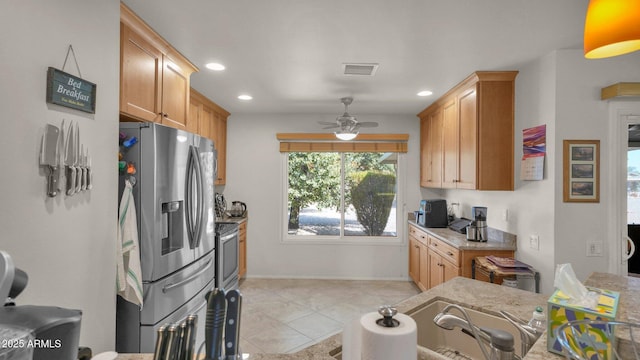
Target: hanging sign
70,91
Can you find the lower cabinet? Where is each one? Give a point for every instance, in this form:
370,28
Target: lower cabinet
433,261
440,269
242,251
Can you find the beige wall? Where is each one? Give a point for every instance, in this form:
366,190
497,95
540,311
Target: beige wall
65,244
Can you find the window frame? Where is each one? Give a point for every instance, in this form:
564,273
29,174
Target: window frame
398,239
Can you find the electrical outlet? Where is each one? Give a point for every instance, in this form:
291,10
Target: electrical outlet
505,215
594,248
534,242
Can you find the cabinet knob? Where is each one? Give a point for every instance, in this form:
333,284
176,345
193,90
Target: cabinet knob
165,115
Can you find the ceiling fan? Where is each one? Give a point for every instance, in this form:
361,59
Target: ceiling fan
347,125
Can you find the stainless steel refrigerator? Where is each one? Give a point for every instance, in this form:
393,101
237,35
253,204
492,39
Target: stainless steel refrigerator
174,199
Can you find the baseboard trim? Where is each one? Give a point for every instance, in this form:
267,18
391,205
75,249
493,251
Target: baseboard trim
306,277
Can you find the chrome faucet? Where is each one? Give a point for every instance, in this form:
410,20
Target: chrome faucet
528,334
500,342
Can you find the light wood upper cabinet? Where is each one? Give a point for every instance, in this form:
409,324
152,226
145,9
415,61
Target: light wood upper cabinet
220,124
431,150
477,133
175,95
449,155
154,77
468,140
140,80
212,123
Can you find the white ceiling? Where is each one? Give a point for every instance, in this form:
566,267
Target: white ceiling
288,54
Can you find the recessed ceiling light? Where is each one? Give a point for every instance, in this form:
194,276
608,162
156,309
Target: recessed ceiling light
245,97
215,66
425,93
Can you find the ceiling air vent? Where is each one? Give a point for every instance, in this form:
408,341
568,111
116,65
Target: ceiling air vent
360,69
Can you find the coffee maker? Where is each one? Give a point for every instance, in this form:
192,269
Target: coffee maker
56,331
477,231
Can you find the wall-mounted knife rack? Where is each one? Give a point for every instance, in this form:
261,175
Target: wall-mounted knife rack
67,160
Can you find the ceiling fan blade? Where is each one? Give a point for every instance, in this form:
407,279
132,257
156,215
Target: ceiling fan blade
367,124
327,123
333,126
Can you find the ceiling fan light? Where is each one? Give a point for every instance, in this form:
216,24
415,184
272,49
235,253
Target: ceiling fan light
612,28
346,135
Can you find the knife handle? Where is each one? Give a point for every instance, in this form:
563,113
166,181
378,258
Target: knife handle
160,342
89,184
78,178
232,324
214,324
71,180
190,337
180,349
172,337
52,182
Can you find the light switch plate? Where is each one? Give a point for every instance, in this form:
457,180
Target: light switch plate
534,242
594,248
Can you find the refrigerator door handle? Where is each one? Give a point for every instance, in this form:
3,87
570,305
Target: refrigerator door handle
171,286
189,199
199,198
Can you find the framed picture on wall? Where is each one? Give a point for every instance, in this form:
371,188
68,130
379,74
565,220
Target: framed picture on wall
581,171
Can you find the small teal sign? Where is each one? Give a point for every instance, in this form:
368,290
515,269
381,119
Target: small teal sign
70,91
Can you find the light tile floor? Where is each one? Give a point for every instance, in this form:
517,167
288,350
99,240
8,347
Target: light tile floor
287,315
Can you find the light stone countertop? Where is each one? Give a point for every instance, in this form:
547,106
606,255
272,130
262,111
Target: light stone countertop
482,296
498,240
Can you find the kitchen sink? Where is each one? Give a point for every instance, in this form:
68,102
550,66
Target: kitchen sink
438,344
454,344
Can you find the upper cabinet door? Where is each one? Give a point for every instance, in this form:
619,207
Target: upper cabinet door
477,149
154,77
221,146
467,113
175,94
450,145
140,76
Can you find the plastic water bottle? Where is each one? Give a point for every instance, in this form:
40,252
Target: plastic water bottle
538,320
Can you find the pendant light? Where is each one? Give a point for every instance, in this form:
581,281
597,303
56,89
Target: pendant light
612,28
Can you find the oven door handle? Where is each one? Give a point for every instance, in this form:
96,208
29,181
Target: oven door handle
171,286
227,237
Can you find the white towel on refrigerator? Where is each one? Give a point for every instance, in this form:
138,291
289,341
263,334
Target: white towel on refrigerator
129,272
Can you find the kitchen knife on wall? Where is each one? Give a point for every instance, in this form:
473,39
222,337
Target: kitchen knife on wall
49,157
232,324
89,182
61,169
214,323
68,162
77,160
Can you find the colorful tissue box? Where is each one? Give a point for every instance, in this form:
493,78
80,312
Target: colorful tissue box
560,311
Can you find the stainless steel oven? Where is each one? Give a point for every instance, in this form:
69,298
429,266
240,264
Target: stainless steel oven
227,256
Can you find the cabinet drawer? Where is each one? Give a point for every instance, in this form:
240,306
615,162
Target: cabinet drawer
418,234
447,251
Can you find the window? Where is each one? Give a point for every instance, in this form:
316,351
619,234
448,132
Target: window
341,195
633,186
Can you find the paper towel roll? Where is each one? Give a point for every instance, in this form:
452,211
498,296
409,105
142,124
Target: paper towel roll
384,343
